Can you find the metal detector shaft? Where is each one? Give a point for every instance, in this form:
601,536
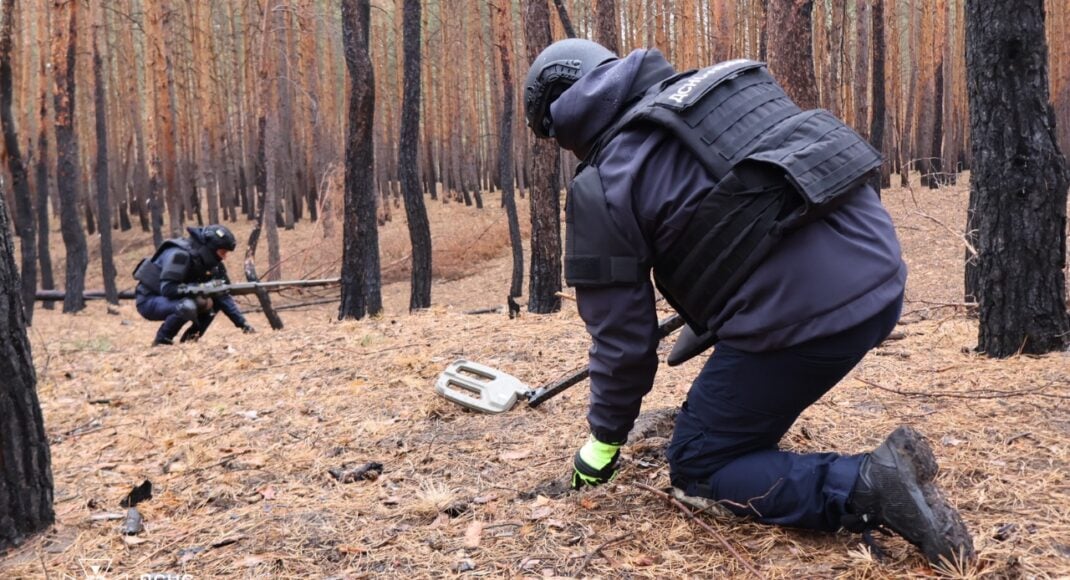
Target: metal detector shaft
540,395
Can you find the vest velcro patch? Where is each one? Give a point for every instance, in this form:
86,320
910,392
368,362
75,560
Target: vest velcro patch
686,91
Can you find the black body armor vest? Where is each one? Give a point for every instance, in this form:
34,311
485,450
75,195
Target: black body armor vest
148,272
777,168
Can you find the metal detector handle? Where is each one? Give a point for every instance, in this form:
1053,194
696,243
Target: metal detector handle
540,395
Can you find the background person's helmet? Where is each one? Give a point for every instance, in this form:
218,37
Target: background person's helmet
219,238
557,68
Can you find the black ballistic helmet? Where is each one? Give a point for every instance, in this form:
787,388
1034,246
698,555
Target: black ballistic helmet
557,68
219,238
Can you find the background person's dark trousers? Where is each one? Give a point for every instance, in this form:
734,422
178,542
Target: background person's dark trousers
165,309
725,444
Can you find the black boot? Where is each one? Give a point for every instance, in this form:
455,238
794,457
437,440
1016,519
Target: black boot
895,490
192,334
162,341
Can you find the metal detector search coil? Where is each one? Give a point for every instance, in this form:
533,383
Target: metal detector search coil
479,387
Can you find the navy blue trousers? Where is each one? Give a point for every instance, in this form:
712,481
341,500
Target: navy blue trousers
725,444
157,307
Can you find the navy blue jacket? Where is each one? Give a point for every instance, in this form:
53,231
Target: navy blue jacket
821,279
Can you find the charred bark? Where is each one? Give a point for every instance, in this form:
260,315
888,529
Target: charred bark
544,281
107,259
505,151
25,462
934,175
408,168
1018,189
361,277
791,52
63,60
605,29
566,22
876,126
24,221
44,255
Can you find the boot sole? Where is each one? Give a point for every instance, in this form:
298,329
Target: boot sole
943,534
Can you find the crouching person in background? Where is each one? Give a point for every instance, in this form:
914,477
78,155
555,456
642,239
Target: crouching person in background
163,280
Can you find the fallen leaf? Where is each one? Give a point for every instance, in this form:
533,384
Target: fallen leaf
473,534
268,492
251,561
588,503
542,500
133,540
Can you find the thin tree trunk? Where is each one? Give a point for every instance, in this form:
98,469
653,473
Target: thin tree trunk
876,127
791,56
111,292
1018,189
26,490
505,145
408,168
64,43
24,222
544,281
566,22
43,192
606,24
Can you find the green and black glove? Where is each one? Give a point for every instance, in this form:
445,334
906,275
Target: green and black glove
595,463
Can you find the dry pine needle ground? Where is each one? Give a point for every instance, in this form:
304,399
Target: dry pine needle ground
237,434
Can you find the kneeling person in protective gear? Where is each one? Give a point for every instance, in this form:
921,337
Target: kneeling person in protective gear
176,263
761,230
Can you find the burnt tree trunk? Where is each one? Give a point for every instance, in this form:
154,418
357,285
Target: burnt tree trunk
25,462
566,22
24,222
544,281
876,124
107,260
361,276
1018,189
44,255
935,175
505,149
63,60
408,168
791,49
605,29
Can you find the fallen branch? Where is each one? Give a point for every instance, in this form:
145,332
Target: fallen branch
297,305
590,555
691,516
488,310
987,394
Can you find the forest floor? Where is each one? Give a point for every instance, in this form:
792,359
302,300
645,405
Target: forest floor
238,434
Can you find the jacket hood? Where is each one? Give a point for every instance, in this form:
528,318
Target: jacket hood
196,234
201,249
583,112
